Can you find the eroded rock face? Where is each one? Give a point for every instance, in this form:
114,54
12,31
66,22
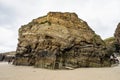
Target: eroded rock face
117,38
7,56
110,44
60,40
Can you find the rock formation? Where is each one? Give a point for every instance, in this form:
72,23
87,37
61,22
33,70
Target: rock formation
7,56
60,40
117,38
110,44
2,57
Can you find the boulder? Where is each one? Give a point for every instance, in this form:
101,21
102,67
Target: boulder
58,41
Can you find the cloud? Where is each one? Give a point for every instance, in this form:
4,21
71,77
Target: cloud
101,15
8,40
7,15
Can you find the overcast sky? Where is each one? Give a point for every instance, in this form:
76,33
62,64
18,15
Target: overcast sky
101,15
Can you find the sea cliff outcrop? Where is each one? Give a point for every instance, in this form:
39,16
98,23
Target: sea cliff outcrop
7,56
117,38
60,40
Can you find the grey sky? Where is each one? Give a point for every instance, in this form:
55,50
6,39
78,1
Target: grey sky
101,15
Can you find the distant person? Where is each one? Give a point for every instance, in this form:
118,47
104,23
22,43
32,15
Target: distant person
9,61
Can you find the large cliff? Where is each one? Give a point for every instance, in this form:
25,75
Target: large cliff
117,38
60,40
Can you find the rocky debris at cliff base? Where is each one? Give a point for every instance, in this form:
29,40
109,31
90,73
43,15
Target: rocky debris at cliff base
59,40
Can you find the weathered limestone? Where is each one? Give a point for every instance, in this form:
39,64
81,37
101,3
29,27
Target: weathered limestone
117,38
60,40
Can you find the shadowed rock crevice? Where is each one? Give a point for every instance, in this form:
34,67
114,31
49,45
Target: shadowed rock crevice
60,40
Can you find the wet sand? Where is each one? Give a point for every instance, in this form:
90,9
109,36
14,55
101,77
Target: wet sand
11,72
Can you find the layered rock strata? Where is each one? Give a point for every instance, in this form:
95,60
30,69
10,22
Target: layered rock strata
117,38
60,40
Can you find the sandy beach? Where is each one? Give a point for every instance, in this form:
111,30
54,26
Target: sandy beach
11,72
